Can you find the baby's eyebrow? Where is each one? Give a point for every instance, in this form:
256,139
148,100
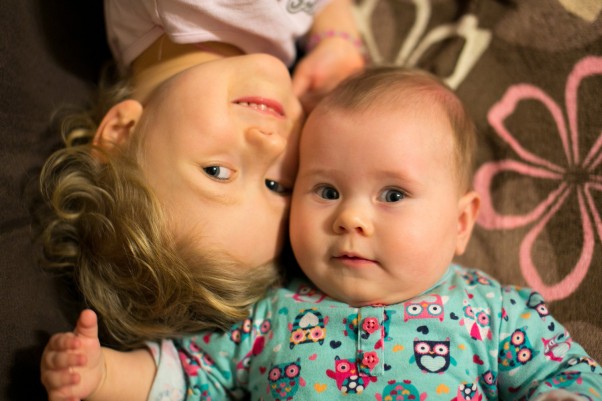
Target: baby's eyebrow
317,175
397,176
315,172
393,175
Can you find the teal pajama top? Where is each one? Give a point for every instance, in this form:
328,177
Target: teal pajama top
466,338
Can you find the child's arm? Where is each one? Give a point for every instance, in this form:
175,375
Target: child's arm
74,367
537,357
334,53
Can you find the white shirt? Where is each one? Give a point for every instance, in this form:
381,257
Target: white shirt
254,26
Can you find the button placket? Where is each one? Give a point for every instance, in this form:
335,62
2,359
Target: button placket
370,350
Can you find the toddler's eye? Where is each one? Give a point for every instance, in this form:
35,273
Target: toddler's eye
327,192
392,195
218,172
277,187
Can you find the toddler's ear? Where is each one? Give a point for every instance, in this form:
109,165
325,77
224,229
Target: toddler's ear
117,125
468,210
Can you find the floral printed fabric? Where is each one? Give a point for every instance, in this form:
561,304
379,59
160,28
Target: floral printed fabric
467,338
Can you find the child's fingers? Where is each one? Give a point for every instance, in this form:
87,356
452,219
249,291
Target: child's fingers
301,82
87,325
60,396
63,342
58,383
62,360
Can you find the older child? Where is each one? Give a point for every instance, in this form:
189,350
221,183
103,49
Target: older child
170,206
381,205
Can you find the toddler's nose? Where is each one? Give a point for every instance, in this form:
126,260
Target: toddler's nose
267,141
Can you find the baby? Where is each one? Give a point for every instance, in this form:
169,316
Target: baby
381,205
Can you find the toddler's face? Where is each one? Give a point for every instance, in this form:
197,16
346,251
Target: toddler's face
219,148
376,208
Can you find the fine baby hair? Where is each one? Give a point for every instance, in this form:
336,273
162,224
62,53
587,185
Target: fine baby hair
393,87
108,228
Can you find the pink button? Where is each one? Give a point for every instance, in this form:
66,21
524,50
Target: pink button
370,325
370,359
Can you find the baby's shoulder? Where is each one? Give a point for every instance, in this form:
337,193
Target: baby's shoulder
480,286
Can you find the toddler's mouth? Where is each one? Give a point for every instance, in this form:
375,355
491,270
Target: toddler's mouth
261,104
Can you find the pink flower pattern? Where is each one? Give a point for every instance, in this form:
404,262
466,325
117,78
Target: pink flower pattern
535,167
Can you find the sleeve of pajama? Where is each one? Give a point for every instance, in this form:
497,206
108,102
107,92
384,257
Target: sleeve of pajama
208,365
169,383
537,354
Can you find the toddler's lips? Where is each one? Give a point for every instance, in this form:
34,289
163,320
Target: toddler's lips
261,104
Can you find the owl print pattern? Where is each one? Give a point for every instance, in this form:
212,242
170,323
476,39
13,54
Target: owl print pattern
466,338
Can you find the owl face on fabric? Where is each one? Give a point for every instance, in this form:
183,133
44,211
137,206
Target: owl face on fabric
515,350
557,347
474,278
432,356
309,326
424,307
537,303
241,331
284,380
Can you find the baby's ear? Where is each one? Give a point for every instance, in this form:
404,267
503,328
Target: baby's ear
117,125
468,210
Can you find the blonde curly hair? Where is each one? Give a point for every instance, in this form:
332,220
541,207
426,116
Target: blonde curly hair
108,228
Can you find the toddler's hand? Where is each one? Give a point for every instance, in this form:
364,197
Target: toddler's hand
331,61
73,363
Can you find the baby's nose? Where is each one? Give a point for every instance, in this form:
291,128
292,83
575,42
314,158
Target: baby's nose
353,219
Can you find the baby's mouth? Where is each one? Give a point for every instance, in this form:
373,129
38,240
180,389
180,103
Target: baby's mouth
353,259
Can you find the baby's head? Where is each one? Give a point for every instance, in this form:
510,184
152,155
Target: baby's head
175,208
382,200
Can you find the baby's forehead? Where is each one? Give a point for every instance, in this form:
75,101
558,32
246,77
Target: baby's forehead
424,113
389,105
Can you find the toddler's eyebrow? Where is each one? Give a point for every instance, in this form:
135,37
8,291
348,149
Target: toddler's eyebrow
215,197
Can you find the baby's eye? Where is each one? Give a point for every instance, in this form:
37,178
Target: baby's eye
277,187
327,192
218,172
392,195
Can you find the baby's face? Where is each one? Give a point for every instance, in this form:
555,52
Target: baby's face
219,149
376,206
